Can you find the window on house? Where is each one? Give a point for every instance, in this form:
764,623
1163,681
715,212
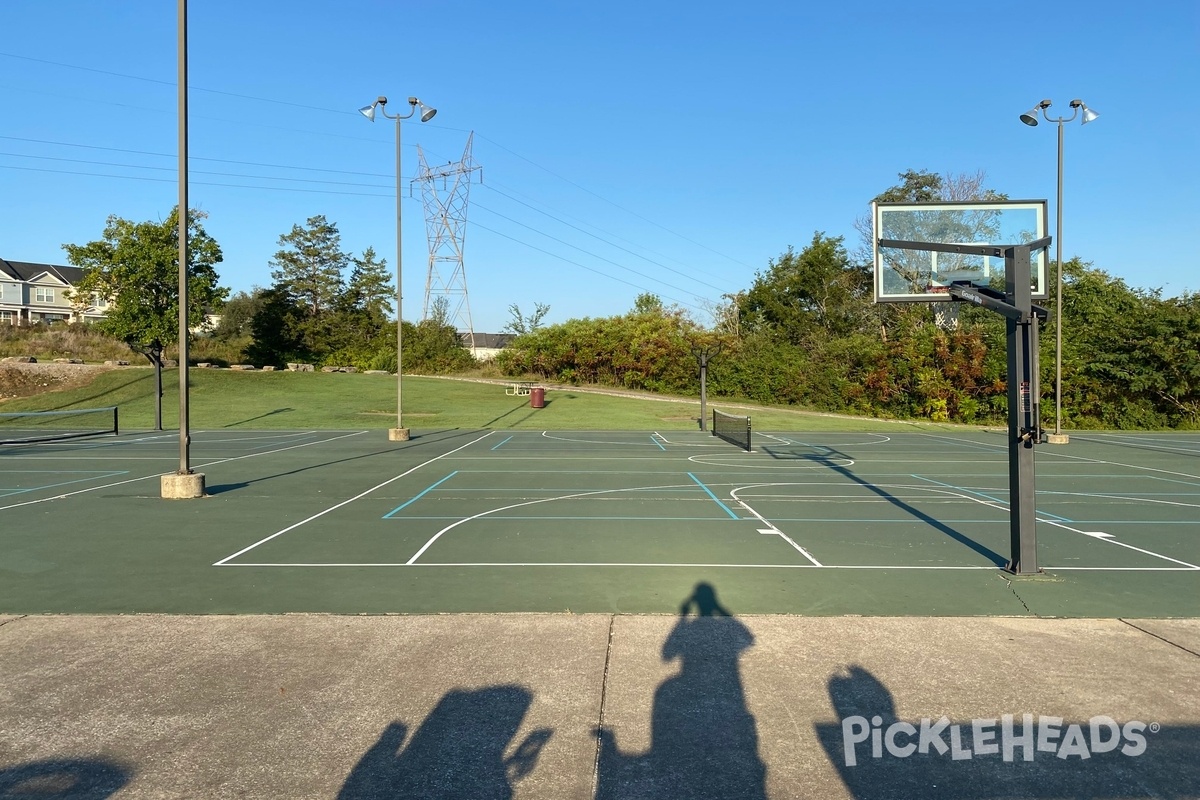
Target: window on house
43,295
7,316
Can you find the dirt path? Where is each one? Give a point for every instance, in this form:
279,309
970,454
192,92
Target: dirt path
23,380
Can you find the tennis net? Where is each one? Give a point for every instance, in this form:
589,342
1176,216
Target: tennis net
731,428
24,427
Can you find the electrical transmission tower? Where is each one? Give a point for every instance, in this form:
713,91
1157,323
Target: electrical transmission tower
444,191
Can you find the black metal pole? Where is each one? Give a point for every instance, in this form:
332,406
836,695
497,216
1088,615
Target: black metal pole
703,390
1022,410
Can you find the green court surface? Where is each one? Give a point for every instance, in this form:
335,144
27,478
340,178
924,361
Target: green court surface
474,520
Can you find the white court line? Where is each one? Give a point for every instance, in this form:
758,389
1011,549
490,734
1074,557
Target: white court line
693,566
1135,498
160,474
608,564
547,435
491,511
1144,444
221,563
1108,537
770,527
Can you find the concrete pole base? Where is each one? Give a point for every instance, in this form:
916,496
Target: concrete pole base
397,434
183,487
1057,438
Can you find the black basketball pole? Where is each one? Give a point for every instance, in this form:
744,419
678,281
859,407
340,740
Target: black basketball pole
1024,429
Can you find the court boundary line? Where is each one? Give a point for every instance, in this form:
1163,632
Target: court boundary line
942,567
222,563
160,474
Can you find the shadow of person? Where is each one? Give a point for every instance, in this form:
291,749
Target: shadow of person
458,752
63,778
881,756
703,739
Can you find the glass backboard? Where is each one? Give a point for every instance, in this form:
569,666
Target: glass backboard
905,275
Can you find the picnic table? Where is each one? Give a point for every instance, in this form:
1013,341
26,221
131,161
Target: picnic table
520,388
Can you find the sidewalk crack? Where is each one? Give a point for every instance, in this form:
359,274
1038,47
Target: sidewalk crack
14,619
1161,638
603,697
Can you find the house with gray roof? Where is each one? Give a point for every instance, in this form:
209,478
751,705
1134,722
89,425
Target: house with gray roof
31,293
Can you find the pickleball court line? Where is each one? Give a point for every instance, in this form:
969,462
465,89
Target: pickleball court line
489,512
221,563
160,474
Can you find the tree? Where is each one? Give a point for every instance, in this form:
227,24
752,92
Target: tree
135,266
648,303
801,294
238,313
370,288
310,264
925,187
520,324
277,329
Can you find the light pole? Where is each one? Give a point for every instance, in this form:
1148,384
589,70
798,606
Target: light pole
184,483
398,433
1030,118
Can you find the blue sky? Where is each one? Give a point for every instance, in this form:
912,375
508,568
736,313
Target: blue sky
626,146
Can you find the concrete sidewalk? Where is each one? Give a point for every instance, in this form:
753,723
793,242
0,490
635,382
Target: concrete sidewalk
597,706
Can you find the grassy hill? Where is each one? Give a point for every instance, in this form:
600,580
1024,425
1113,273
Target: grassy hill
294,400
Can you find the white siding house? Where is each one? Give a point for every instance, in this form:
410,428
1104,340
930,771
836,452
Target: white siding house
32,293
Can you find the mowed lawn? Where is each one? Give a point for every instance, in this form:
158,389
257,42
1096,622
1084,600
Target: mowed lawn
294,400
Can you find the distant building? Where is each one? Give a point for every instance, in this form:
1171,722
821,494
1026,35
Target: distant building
486,345
31,293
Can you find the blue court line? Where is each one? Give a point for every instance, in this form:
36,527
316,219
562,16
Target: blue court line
504,441
986,496
427,490
657,442
724,507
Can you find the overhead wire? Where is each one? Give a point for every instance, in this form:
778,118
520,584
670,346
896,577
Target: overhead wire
345,172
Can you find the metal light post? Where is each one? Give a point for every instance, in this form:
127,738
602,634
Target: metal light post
1030,118
398,433
184,483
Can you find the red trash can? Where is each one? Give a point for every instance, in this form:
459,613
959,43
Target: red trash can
537,397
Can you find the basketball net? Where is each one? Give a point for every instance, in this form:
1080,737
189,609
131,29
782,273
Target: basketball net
945,315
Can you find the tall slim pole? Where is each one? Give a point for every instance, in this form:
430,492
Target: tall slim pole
1030,118
401,433
1058,294
184,428
183,483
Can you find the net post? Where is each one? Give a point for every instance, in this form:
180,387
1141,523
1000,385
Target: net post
116,425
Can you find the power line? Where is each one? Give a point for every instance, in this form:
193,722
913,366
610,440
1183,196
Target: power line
585,252
583,266
347,113
601,239
195,158
195,183
615,205
173,84
196,172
